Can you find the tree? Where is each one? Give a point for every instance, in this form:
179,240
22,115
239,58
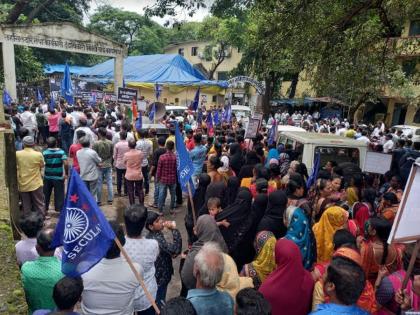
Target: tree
122,26
222,35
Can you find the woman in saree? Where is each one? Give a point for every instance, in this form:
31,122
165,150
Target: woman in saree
388,292
289,287
299,232
333,219
264,262
375,251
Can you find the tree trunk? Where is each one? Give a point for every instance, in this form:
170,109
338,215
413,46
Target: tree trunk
293,85
353,109
33,14
17,9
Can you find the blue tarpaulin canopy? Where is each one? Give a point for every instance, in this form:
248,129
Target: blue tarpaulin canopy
48,69
161,68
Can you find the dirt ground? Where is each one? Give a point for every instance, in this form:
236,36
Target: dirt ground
116,212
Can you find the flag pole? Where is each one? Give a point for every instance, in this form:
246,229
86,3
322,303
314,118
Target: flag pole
411,265
137,274
192,203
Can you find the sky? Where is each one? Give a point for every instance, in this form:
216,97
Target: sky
139,5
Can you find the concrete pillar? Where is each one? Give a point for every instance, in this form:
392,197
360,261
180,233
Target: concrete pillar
9,68
118,72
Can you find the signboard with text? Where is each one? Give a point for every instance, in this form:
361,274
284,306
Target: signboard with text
126,95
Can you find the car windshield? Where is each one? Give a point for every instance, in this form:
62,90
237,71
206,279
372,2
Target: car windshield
338,154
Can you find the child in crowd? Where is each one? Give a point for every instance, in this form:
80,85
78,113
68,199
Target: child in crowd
214,206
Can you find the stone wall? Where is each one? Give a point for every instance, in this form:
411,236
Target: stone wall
12,297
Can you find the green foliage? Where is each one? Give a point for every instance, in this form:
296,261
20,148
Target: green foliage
181,32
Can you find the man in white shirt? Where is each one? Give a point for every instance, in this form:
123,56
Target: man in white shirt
110,286
28,120
389,144
145,146
142,251
124,127
364,137
89,162
89,133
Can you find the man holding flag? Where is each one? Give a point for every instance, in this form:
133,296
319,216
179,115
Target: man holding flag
91,249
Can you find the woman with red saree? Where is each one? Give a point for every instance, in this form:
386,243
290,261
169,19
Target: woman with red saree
375,251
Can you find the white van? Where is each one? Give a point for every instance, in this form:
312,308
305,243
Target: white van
331,147
177,110
241,111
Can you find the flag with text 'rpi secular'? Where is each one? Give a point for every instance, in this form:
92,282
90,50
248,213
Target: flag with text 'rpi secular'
82,230
185,167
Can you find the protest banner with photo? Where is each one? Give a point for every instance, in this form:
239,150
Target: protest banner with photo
126,95
252,129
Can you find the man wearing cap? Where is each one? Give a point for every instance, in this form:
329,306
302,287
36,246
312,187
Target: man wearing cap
29,164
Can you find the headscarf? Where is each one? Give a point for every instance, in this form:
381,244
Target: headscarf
225,164
264,262
236,158
299,231
331,220
231,282
284,160
236,214
272,154
198,200
251,160
289,287
273,217
207,231
258,208
361,214
233,184
216,189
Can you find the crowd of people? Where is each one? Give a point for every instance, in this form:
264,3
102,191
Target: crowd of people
260,239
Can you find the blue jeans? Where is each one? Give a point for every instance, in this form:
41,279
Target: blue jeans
107,174
163,188
161,294
156,193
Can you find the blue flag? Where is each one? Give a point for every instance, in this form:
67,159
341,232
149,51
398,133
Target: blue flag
152,112
82,230
66,87
314,174
185,167
216,117
139,122
51,105
227,114
209,121
272,133
38,95
194,105
200,117
7,100
124,85
158,90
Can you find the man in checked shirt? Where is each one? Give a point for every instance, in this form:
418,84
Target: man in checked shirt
166,177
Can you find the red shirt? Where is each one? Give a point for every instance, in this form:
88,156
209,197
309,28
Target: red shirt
72,154
166,169
189,144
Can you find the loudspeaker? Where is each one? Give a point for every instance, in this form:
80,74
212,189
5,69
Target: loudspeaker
160,109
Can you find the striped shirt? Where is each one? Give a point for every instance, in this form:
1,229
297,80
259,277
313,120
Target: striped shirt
54,158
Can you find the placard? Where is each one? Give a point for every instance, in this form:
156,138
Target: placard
378,163
258,116
126,95
252,129
406,227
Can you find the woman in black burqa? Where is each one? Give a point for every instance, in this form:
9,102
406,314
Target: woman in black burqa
237,214
273,218
236,158
232,188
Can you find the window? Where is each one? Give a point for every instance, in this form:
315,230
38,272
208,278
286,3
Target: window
176,100
414,28
165,100
181,51
194,51
214,98
222,75
409,67
338,154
